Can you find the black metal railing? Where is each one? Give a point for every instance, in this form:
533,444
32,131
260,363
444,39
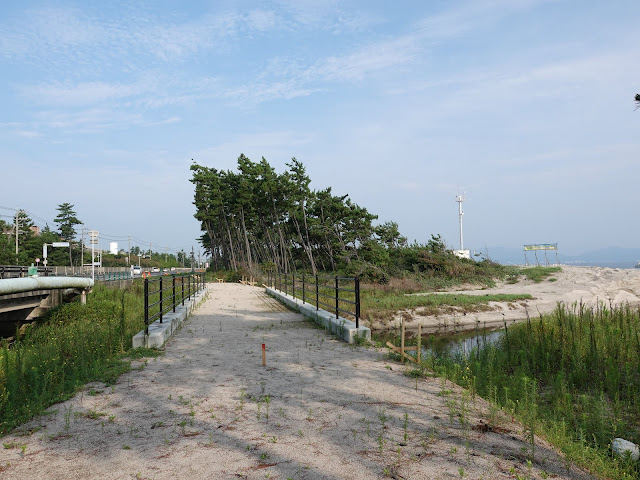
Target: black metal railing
162,294
340,295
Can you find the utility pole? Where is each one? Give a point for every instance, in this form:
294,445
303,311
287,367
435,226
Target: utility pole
129,255
193,258
82,251
460,199
149,249
17,226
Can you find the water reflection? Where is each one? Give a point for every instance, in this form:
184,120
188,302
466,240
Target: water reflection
447,345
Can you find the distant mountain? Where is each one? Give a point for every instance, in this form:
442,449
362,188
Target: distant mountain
609,256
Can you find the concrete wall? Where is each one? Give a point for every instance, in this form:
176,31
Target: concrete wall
343,328
159,333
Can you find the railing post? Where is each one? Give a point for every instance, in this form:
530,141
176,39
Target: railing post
317,294
337,294
160,299
357,289
182,285
146,306
173,286
285,283
293,285
303,288
189,287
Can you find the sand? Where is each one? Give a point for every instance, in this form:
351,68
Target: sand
319,409
590,286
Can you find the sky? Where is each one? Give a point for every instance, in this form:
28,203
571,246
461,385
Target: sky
524,106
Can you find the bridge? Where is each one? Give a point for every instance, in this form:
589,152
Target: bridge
23,299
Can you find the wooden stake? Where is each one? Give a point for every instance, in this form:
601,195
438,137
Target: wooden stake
402,342
419,341
264,356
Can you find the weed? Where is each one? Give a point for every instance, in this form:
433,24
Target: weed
267,400
405,425
67,417
381,442
94,414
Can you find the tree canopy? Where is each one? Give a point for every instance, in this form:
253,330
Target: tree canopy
67,221
259,217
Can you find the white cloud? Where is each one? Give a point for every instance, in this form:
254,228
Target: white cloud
80,94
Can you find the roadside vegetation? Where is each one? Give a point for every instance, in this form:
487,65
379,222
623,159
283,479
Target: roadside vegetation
71,345
571,377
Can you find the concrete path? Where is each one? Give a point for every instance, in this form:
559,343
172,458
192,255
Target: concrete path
320,409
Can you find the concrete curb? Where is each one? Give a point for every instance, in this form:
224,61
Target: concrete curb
343,328
159,333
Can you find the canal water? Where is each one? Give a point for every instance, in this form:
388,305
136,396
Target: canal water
448,344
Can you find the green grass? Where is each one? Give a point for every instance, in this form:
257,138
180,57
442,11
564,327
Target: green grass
538,274
573,376
373,300
72,345
380,304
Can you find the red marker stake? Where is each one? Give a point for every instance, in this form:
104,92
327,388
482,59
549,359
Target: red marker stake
264,358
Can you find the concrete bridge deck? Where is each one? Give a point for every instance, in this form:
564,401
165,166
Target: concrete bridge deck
319,409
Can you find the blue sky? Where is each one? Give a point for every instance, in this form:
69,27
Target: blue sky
524,105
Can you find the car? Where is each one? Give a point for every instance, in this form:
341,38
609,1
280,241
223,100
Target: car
136,270
155,269
173,269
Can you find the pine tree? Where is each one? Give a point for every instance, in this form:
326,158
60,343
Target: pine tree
67,221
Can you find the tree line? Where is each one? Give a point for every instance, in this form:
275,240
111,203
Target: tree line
256,217
21,244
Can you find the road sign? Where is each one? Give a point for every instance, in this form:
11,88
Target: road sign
60,244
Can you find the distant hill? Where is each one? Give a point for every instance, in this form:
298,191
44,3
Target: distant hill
610,256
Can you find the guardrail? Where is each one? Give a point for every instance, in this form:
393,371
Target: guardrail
157,300
320,290
113,276
17,271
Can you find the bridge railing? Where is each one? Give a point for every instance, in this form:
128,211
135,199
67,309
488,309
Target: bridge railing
339,295
163,294
17,271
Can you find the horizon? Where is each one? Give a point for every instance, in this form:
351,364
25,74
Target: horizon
526,107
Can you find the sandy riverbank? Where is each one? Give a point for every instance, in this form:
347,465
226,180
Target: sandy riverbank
589,285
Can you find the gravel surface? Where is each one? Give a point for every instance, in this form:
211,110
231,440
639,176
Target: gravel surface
320,409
